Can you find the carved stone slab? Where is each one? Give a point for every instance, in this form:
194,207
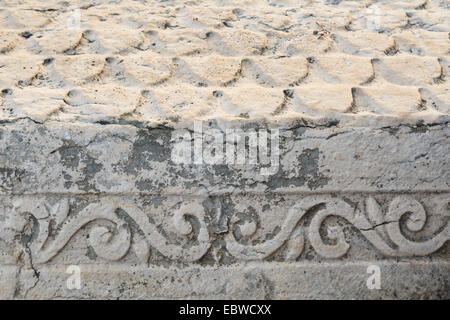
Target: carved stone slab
224,149
333,207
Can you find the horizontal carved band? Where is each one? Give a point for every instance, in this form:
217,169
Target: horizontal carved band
43,227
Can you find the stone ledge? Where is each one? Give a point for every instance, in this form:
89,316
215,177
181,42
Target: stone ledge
399,280
339,198
77,159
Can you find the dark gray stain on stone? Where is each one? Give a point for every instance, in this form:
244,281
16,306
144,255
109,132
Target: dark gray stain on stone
133,226
30,231
72,157
297,132
10,177
91,253
67,180
153,145
150,145
89,171
52,229
308,174
217,220
309,161
145,184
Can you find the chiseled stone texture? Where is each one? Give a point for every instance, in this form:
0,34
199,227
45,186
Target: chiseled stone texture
95,96
141,226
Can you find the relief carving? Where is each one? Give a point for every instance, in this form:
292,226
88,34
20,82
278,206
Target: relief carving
133,230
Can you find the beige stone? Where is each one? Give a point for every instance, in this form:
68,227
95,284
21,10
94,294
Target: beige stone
232,149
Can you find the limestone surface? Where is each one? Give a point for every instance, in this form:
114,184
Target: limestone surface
224,149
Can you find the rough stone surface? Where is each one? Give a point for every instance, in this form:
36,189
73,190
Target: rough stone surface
98,96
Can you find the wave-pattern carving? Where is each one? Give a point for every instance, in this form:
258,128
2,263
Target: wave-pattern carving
115,244
382,229
402,246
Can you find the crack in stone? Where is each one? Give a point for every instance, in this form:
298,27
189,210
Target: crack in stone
378,225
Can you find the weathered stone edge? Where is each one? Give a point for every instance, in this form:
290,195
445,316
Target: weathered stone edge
117,159
412,280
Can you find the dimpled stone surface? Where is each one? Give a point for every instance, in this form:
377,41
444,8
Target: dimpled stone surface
96,97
